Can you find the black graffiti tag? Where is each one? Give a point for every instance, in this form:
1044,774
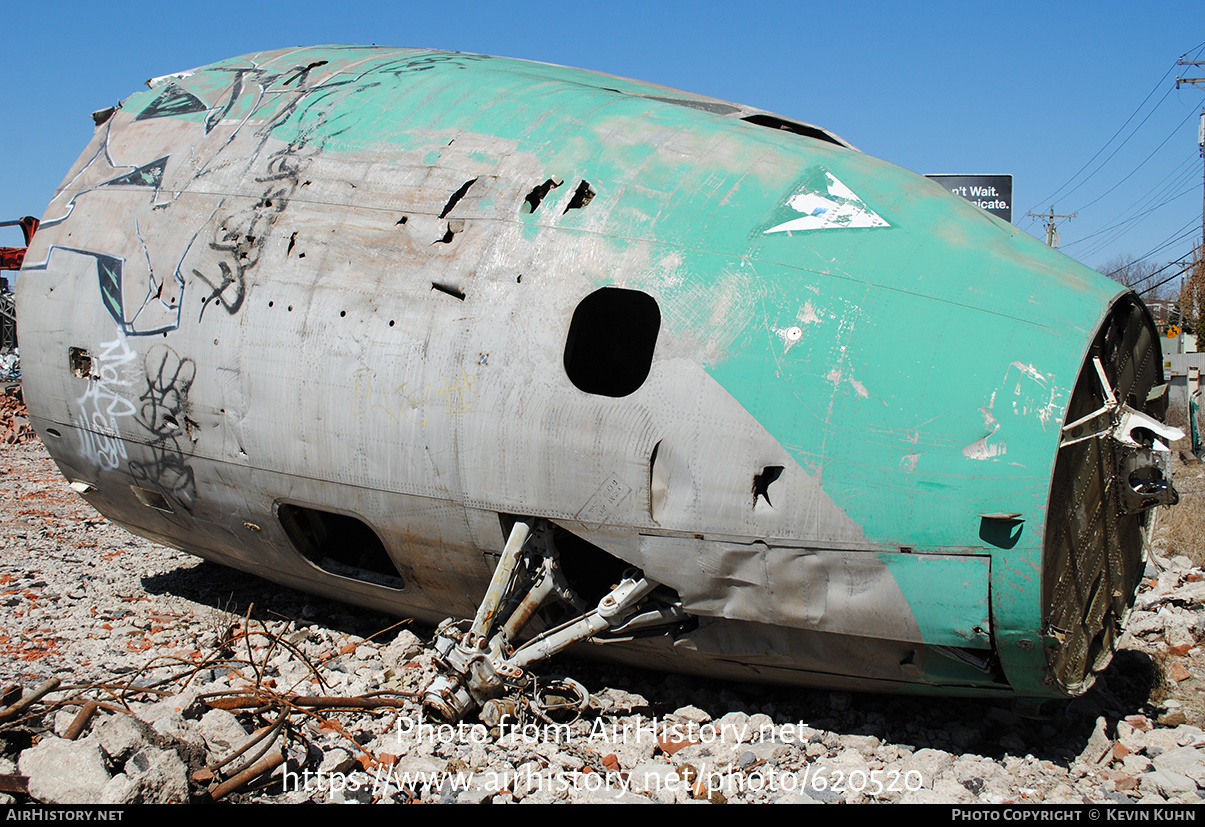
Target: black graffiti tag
163,412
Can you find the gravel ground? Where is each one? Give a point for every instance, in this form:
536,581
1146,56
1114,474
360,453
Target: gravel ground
203,657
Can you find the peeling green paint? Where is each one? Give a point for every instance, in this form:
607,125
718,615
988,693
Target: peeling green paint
913,354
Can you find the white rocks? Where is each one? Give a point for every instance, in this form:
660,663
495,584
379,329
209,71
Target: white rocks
404,647
927,764
1098,745
120,736
691,714
612,701
121,789
222,733
1167,784
774,745
159,775
338,761
655,776
1186,761
65,772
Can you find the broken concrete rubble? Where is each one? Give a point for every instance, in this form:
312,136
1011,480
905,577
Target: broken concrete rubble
746,744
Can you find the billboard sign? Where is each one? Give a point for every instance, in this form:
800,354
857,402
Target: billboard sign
993,193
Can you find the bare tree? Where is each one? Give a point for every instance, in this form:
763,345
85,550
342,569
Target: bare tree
1140,276
1192,294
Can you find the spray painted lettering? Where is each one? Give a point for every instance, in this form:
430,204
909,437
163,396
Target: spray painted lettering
105,403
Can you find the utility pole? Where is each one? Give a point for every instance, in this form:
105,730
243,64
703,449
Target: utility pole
1196,282
1052,236
1201,130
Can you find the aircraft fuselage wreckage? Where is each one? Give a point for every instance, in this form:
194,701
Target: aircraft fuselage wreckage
574,357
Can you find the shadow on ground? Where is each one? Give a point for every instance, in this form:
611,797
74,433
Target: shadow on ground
1057,731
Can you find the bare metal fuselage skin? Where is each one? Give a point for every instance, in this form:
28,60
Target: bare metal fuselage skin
298,296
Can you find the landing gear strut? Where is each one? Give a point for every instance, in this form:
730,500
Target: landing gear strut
481,667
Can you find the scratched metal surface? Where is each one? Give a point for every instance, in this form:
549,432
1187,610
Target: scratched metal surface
318,277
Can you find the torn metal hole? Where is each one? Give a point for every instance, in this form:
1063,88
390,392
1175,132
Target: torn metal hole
245,247
456,196
582,196
152,499
455,292
292,243
454,226
762,482
401,221
102,115
772,122
80,362
537,194
589,572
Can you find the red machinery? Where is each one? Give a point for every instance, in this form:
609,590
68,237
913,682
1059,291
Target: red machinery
11,257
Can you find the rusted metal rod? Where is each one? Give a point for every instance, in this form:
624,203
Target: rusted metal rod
30,699
81,720
310,702
268,764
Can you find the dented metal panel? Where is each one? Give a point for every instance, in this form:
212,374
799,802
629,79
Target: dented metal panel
816,400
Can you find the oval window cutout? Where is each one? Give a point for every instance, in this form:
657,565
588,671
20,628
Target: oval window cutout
609,350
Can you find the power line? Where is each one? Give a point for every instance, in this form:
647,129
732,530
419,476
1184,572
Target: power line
1189,229
1113,154
1088,163
1144,160
1166,280
1141,106
1144,206
1133,222
1135,216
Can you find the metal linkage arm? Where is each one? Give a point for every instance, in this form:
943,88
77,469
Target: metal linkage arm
479,665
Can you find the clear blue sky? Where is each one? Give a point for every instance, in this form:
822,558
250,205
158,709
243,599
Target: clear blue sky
1034,89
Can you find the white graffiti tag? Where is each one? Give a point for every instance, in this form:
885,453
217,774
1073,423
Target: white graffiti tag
105,403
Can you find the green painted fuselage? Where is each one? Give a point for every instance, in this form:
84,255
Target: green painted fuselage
343,279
